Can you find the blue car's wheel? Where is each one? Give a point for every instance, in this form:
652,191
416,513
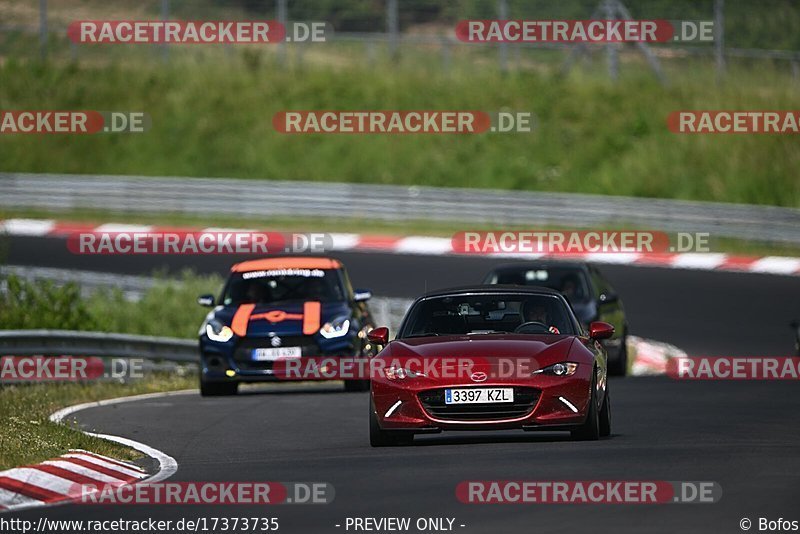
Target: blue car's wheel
218,389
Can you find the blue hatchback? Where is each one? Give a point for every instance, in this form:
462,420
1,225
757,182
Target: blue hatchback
276,309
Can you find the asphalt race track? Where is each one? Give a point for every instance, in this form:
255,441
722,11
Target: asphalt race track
743,435
702,312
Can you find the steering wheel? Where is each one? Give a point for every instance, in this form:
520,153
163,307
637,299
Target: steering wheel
521,329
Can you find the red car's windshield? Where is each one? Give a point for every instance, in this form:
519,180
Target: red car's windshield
487,314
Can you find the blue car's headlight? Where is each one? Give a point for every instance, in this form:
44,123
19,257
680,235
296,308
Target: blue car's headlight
216,331
336,328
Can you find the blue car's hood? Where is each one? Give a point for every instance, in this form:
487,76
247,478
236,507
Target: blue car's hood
284,318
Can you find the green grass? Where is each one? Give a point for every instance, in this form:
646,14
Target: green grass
27,436
212,117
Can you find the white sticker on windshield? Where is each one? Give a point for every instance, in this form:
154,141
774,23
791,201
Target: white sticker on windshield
304,273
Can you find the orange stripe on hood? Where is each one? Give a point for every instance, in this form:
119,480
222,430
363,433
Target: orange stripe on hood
241,319
311,316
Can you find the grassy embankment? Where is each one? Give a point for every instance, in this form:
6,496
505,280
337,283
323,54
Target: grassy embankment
26,433
213,118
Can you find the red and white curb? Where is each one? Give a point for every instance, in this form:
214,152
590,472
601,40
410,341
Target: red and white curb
60,480
650,357
437,246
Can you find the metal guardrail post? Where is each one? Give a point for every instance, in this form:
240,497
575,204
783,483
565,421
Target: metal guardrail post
719,38
393,28
502,14
43,29
164,17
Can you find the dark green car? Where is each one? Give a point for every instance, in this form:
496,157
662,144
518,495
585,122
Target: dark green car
591,296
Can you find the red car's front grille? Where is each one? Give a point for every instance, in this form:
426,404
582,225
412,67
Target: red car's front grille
525,400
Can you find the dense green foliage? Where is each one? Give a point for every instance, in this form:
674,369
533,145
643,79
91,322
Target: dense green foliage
166,309
215,119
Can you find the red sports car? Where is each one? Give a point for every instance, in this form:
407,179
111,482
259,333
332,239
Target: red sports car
489,357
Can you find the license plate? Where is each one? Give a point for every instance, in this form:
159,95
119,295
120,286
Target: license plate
262,355
478,395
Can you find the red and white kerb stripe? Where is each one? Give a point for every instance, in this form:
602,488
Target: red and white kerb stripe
436,246
61,479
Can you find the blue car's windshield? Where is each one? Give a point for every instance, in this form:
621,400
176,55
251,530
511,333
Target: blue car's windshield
276,285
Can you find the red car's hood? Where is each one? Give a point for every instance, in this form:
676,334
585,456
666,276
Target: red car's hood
483,346
454,359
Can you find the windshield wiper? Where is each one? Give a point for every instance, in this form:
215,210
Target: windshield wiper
483,332
424,334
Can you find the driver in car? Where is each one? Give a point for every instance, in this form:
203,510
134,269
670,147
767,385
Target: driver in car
256,293
533,311
570,288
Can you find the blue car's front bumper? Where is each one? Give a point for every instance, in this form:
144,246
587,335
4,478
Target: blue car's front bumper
233,361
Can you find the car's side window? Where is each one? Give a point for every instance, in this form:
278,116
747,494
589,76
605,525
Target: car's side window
346,285
602,285
597,282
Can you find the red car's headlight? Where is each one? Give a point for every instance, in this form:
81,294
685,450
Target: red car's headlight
400,373
558,369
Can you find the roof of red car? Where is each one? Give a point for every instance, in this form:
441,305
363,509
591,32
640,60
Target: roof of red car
292,262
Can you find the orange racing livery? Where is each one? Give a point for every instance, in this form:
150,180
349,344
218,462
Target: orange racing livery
280,308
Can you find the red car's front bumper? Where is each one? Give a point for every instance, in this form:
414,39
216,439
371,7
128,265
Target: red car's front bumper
540,402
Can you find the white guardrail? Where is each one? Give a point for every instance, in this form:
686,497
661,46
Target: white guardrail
101,344
271,198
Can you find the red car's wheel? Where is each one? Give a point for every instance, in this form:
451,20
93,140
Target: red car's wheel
605,416
379,437
590,429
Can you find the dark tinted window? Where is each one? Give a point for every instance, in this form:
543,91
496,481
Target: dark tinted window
490,313
569,281
600,284
277,285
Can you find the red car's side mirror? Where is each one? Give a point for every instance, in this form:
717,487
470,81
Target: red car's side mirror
601,330
380,335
